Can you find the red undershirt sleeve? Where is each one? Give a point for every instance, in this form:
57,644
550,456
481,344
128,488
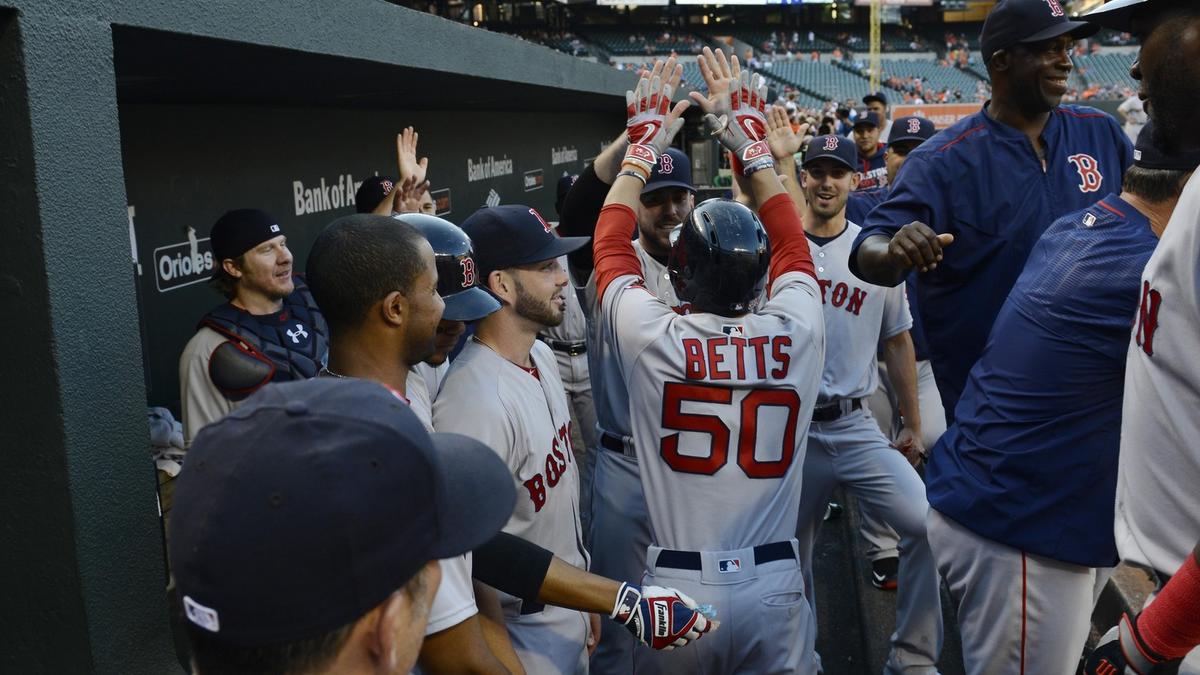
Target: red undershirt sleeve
789,246
613,247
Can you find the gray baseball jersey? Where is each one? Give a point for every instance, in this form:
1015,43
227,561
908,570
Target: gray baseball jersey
857,315
574,325
715,406
1158,503
524,417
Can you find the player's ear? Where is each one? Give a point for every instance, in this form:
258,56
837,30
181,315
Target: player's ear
803,179
500,283
855,178
393,309
1000,60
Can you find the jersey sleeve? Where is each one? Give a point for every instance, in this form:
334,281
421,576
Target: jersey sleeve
613,247
789,246
454,601
200,400
916,195
897,317
488,421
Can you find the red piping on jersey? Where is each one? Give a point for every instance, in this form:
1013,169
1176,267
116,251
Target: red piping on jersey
964,134
789,245
613,247
1024,601
1072,113
1106,207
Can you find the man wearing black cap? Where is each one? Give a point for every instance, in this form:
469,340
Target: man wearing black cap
1158,504
308,527
845,445
877,103
991,184
1022,485
270,330
872,172
504,389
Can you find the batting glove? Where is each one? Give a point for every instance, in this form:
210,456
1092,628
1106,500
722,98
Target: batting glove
741,125
662,618
1122,652
650,131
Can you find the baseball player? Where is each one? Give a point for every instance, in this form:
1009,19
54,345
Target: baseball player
883,542
991,184
872,170
877,103
1158,506
1021,480
846,445
270,330
718,393
620,529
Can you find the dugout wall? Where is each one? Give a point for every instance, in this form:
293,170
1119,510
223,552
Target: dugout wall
124,123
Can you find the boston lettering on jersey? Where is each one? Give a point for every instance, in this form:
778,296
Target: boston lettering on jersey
727,357
844,295
557,461
1147,318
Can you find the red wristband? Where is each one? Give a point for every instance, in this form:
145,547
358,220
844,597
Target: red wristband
1171,624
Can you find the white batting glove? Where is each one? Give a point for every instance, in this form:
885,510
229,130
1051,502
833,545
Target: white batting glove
661,618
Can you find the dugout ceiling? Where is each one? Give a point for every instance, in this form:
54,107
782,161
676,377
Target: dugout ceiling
123,124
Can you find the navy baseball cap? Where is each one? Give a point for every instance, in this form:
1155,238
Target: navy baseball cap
1148,156
564,186
911,128
511,235
1017,21
673,169
314,501
371,192
876,96
837,148
867,117
240,230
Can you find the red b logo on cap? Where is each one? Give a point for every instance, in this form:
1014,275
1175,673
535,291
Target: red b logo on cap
1055,7
666,164
831,143
914,126
545,225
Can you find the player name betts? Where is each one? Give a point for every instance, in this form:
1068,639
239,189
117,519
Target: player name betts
555,468
727,357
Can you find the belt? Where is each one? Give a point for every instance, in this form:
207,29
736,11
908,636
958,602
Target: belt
568,348
616,444
828,412
690,560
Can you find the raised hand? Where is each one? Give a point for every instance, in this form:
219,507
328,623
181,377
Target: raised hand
406,156
735,110
784,142
652,122
407,195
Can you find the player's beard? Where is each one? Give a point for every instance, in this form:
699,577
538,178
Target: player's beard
541,312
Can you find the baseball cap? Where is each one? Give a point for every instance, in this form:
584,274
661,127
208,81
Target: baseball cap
564,186
314,501
1015,21
371,192
911,128
511,235
866,116
1148,156
876,96
1118,14
673,169
837,148
239,231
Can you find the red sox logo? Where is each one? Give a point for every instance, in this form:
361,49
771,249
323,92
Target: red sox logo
468,271
387,187
1147,319
545,225
666,165
831,143
914,126
1089,172
1055,7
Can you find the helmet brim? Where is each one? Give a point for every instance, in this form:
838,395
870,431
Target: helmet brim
471,304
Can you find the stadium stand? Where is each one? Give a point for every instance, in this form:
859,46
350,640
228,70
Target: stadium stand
829,81
933,74
645,42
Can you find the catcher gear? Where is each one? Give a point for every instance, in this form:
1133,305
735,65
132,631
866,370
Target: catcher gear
742,124
649,129
662,618
1122,652
458,275
719,257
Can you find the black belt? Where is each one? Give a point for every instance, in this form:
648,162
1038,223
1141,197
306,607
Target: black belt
568,348
690,560
831,411
615,444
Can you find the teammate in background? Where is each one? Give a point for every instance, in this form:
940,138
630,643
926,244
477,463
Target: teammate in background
877,103
620,527
872,171
569,342
270,330
992,183
717,393
883,542
1158,505
1023,480
1133,113
846,446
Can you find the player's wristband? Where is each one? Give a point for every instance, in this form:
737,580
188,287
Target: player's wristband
636,173
640,157
754,157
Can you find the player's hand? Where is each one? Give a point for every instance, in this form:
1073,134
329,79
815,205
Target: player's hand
1122,652
917,245
784,142
652,123
593,638
735,110
662,618
406,155
908,442
406,197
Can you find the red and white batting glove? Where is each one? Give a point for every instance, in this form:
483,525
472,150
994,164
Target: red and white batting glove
740,123
648,126
1123,652
662,618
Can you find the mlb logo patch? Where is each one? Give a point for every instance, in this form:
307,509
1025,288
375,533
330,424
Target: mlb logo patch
1089,220
733,329
274,228
729,565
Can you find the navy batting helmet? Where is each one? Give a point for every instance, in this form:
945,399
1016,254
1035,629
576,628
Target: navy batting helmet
719,258
457,272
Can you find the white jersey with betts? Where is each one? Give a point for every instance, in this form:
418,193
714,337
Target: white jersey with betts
524,417
1158,502
716,404
857,315
609,390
